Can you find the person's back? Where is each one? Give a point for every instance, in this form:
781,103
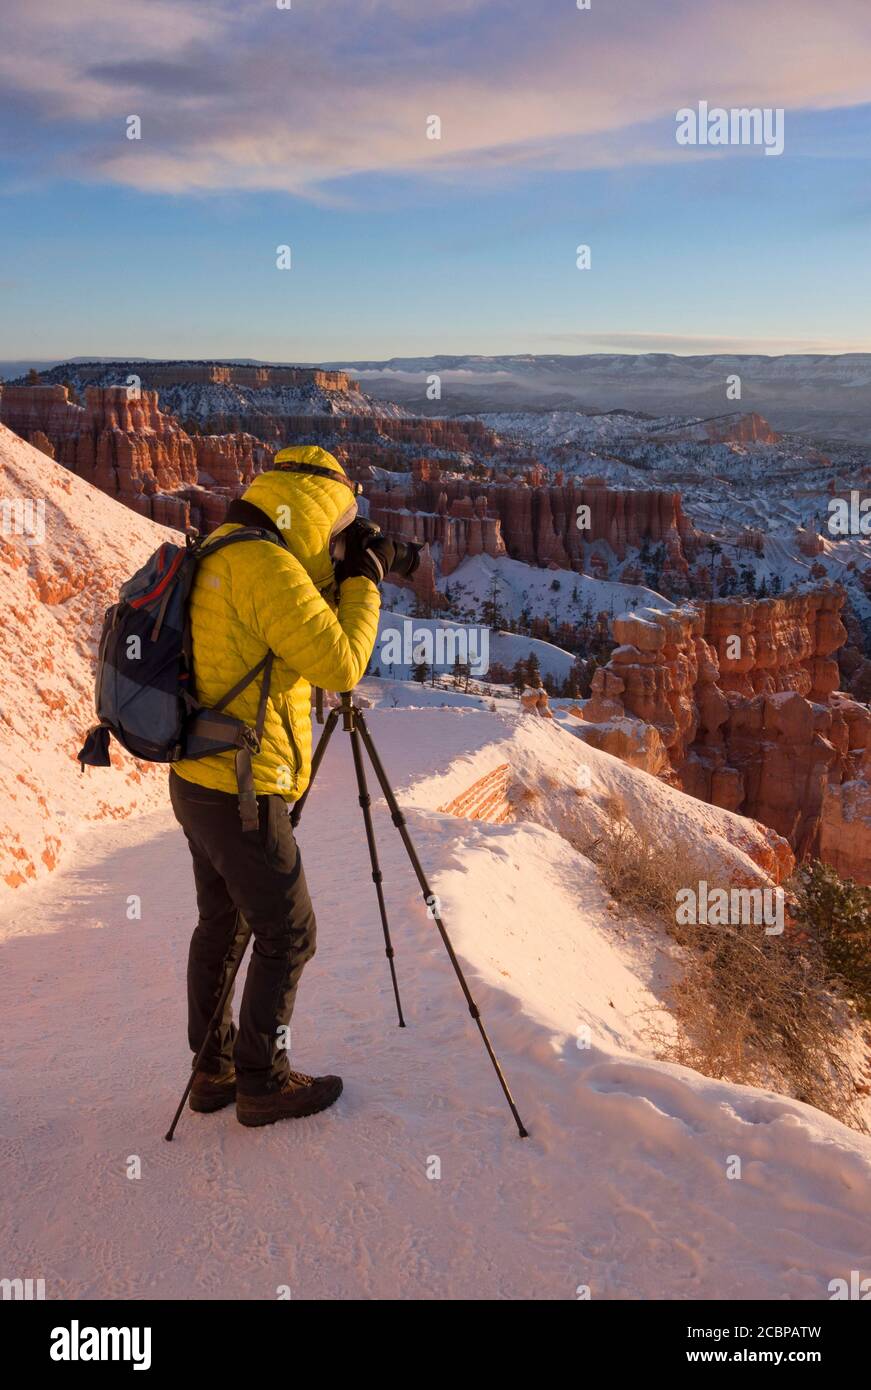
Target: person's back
278,595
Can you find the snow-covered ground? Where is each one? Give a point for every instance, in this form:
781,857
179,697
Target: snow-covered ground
403,640
559,595
622,1186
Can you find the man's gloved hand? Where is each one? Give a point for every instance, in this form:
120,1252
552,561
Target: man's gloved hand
373,561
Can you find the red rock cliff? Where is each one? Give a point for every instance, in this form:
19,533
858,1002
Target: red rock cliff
121,442
742,696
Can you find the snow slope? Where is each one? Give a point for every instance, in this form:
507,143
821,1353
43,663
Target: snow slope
621,1187
521,586
63,554
398,633
517,586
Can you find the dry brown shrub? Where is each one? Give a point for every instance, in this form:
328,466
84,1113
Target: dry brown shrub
760,1010
750,1008
614,806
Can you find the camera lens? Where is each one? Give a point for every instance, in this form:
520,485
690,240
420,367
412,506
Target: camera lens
407,558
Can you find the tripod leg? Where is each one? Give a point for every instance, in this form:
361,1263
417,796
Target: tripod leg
219,1009
399,821
377,876
332,720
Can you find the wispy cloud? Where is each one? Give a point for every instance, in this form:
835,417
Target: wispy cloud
234,94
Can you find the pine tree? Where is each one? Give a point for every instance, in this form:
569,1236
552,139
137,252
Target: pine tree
837,913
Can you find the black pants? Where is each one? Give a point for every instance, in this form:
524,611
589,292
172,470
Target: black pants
253,878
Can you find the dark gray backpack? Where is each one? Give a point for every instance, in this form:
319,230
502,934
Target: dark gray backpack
145,694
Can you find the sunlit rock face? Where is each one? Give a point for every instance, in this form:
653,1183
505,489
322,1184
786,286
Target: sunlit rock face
743,697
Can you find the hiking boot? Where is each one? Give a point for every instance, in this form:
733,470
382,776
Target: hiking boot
300,1095
210,1093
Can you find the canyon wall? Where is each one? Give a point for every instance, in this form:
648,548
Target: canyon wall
741,709
454,436
538,524
121,442
461,529
118,439
738,428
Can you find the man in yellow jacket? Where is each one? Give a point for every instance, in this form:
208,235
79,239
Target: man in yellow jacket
280,595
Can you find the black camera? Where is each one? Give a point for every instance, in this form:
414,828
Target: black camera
397,557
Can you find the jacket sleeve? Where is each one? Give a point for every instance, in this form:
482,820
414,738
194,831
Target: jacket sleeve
330,648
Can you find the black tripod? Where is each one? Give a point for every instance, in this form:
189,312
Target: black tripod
354,724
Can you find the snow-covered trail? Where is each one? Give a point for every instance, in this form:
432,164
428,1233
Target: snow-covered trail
622,1186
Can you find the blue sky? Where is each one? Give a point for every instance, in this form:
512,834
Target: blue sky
307,128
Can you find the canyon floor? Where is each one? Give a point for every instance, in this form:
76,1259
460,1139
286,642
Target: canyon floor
622,1187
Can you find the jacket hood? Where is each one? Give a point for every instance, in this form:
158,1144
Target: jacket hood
307,508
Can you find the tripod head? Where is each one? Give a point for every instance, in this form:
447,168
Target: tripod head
347,707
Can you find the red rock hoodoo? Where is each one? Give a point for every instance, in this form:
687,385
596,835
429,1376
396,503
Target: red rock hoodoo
122,443
536,524
743,697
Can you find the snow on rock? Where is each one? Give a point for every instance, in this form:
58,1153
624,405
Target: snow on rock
574,788
66,548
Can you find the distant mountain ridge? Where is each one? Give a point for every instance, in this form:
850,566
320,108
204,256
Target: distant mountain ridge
824,396
827,397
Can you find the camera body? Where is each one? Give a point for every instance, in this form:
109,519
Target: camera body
397,557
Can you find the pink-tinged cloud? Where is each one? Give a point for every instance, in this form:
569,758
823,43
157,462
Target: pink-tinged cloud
246,96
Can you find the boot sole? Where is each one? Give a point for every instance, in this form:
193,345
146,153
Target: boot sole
256,1121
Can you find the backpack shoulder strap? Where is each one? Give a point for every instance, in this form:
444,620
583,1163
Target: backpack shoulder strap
198,549
247,740
245,533
247,744
263,663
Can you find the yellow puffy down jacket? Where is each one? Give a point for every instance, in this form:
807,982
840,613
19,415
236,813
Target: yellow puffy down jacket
256,596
